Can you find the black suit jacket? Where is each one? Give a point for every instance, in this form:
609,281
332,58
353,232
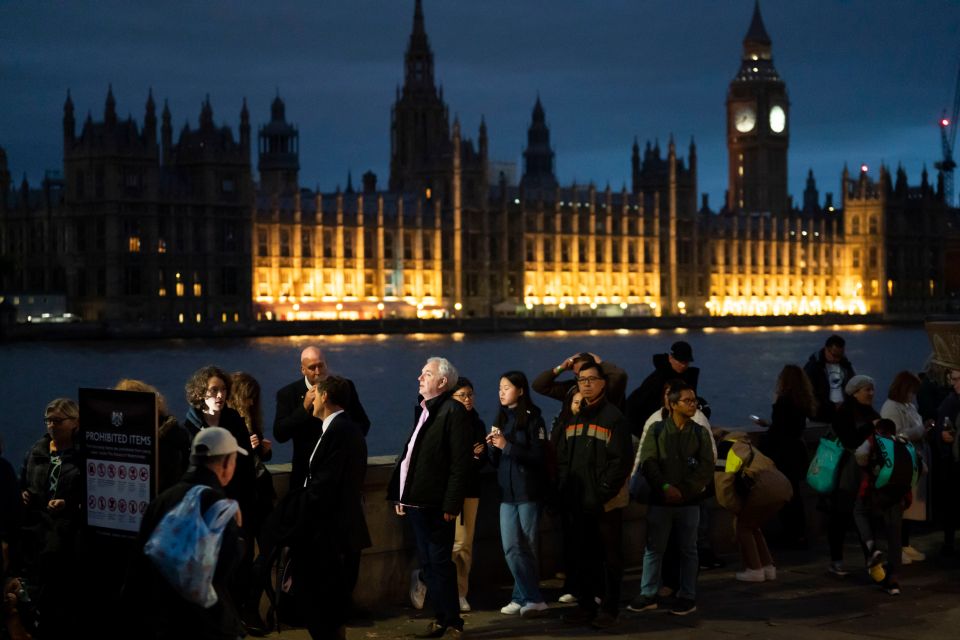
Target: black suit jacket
334,510
294,422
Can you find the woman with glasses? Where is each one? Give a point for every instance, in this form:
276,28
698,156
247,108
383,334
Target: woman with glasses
52,494
467,522
517,445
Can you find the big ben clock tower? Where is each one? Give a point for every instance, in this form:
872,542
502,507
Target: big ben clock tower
757,128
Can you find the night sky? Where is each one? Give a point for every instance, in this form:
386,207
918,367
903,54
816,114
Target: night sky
867,79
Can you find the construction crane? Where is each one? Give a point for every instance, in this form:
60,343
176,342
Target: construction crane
948,135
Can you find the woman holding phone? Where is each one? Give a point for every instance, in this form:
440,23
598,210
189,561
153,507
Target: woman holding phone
517,446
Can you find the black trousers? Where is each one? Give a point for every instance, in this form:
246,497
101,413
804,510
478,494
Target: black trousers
598,539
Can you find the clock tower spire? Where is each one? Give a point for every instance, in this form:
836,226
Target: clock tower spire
757,128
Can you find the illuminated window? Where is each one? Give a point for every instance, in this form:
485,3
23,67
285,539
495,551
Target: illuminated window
161,246
236,317
197,290
223,317
198,318
133,242
179,289
180,318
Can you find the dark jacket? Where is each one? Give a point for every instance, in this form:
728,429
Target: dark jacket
546,384
334,512
594,457
440,460
783,442
478,433
242,487
163,612
174,452
816,370
682,458
521,470
949,410
853,423
294,422
35,478
648,397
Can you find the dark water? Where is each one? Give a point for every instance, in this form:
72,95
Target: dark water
738,368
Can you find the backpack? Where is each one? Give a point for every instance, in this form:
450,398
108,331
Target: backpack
751,477
896,465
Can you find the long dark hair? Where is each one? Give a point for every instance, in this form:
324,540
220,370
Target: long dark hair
794,385
525,408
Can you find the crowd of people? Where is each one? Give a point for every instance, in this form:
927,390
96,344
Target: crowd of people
604,447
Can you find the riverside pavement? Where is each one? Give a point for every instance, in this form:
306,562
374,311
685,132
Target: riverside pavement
805,602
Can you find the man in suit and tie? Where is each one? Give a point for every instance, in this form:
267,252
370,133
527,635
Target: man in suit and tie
295,420
335,527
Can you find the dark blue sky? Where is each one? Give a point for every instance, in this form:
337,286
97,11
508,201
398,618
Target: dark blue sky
867,79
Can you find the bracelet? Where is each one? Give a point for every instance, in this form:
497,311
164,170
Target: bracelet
557,370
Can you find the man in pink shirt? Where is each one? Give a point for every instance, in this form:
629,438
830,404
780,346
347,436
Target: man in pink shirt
427,487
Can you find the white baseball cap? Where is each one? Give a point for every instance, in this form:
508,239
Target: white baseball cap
215,441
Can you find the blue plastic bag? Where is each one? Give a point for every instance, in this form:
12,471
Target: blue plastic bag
186,544
825,466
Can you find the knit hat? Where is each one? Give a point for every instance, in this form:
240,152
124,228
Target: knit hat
858,382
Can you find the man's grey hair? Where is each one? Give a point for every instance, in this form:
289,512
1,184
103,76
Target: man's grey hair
446,370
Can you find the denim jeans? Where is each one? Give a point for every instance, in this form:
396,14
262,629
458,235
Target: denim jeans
518,531
683,522
434,537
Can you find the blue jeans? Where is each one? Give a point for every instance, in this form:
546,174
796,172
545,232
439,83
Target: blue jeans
434,537
660,521
519,522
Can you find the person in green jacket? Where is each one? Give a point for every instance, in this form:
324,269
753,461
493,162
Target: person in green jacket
677,461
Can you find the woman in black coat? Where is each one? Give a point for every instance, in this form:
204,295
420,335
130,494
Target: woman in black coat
783,443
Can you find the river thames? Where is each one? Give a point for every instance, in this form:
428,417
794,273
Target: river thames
738,368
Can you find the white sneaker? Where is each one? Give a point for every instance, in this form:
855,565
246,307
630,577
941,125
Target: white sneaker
464,605
751,575
769,572
533,609
904,558
567,598
418,590
512,609
913,554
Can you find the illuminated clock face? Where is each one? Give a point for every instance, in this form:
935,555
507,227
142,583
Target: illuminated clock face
744,118
778,119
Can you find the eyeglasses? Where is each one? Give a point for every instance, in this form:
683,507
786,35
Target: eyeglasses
953,378
467,395
213,392
588,380
54,420
691,401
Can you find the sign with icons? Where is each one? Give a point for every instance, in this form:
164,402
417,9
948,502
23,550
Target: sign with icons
118,432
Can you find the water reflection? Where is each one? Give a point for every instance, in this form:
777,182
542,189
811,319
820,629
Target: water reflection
739,367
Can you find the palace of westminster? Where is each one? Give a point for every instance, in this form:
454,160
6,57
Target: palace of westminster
177,230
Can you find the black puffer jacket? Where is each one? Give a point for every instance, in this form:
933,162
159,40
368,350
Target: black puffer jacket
440,461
